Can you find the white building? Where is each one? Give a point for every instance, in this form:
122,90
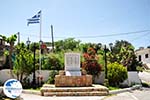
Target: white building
143,55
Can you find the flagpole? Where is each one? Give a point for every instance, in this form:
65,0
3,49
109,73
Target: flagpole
40,42
38,19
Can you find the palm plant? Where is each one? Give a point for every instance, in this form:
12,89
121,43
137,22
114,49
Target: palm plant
11,41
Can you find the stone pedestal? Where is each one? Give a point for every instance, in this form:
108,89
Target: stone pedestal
73,81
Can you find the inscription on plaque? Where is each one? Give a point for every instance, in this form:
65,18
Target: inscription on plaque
72,64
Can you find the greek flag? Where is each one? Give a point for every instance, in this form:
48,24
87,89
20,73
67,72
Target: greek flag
34,19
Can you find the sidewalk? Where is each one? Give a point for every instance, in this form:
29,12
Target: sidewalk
34,95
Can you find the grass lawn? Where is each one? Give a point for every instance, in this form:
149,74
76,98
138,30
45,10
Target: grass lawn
113,88
147,71
37,89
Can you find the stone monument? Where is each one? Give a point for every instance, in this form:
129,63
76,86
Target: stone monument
72,64
72,81
72,76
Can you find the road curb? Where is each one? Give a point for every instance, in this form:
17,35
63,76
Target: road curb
31,92
125,90
110,92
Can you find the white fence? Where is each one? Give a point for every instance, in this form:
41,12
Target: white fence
132,77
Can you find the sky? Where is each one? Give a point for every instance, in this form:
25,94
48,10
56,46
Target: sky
94,21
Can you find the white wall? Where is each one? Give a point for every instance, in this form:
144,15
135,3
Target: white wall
5,75
100,78
132,76
143,52
44,74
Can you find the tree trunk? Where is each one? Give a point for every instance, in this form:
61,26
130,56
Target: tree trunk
17,76
10,59
21,78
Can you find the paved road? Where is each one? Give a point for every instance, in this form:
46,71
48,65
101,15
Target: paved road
143,94
36,97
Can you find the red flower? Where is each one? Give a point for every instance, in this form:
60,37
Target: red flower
90,64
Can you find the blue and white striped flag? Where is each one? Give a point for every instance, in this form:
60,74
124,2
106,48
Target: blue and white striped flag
34,19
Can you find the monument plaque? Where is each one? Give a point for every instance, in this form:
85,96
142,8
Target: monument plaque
72,64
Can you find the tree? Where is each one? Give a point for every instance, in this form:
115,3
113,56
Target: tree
83,47
123,53
67,44
23,65
11,41
31,47
53,62
90,63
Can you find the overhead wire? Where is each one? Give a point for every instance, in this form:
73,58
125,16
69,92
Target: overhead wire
141,36
96,36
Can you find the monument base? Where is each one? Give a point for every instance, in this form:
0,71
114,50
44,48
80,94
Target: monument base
73,81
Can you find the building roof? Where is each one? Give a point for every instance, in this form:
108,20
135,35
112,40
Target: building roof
142,50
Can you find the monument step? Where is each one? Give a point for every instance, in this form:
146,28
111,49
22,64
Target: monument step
95,93
49,88
72,89
95,90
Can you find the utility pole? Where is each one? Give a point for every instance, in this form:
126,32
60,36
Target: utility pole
52,38
18,37
34,76
105,51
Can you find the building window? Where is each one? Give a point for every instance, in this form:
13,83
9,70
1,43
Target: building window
146,55
140,58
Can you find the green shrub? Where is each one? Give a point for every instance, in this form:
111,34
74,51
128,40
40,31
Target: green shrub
53,62
117,73
144,84
139,69
106,82
51,79
26,83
